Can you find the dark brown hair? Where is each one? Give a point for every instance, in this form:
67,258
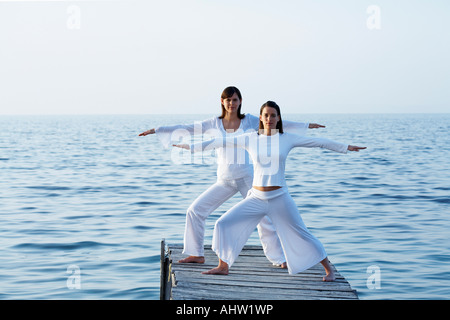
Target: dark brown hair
228,93
271,104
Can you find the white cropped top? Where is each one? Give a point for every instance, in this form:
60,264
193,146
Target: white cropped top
269,153
232,162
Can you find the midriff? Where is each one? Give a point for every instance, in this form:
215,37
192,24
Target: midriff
267,188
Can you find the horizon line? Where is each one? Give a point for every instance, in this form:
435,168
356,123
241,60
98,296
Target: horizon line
204,113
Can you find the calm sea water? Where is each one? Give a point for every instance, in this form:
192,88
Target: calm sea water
85,202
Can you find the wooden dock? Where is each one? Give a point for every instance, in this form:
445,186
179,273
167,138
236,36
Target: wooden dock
252,277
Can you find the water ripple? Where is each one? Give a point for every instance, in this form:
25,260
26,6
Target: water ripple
62,246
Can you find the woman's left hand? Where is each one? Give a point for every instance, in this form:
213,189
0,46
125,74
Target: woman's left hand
151,131
315,126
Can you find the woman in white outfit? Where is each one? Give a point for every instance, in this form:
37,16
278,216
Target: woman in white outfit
269,196
233,175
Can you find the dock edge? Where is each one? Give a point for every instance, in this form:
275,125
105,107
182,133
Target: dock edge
165,289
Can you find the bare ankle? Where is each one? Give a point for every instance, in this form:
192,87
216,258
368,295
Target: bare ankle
221,269
193,259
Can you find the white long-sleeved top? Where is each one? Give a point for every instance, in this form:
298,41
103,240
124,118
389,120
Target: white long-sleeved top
233,163
269,153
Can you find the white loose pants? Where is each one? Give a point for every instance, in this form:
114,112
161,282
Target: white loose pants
302,250
209,201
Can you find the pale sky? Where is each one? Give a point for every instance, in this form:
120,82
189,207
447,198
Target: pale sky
176,56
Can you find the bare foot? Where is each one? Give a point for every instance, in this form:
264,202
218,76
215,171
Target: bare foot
222,268
329,273
330,277
217,270
192,259
283,265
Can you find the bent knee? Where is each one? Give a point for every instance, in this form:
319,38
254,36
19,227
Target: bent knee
197,211
224,222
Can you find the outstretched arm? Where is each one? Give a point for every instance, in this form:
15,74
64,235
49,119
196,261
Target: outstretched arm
203,146
299,128
312,142
166,134
219,142
296,127
182,146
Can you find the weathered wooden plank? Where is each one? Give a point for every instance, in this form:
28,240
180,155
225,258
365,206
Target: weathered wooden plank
261,273
245,280
193,291
252,276
243,287
242,281
239,265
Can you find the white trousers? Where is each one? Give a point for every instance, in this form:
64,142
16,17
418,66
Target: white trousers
209,201
232,230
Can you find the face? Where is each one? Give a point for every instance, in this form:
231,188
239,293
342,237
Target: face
231,104
269,117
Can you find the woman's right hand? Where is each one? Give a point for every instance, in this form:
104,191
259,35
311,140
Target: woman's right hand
143,134
355,148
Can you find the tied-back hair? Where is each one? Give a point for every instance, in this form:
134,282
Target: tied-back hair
271,104
228,93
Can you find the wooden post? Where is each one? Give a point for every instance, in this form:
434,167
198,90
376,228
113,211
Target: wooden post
166,278
162,284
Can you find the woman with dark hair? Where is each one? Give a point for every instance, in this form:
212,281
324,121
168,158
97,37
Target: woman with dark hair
228,93
268,149
232,176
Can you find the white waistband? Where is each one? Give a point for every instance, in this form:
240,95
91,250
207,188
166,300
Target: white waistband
267,195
